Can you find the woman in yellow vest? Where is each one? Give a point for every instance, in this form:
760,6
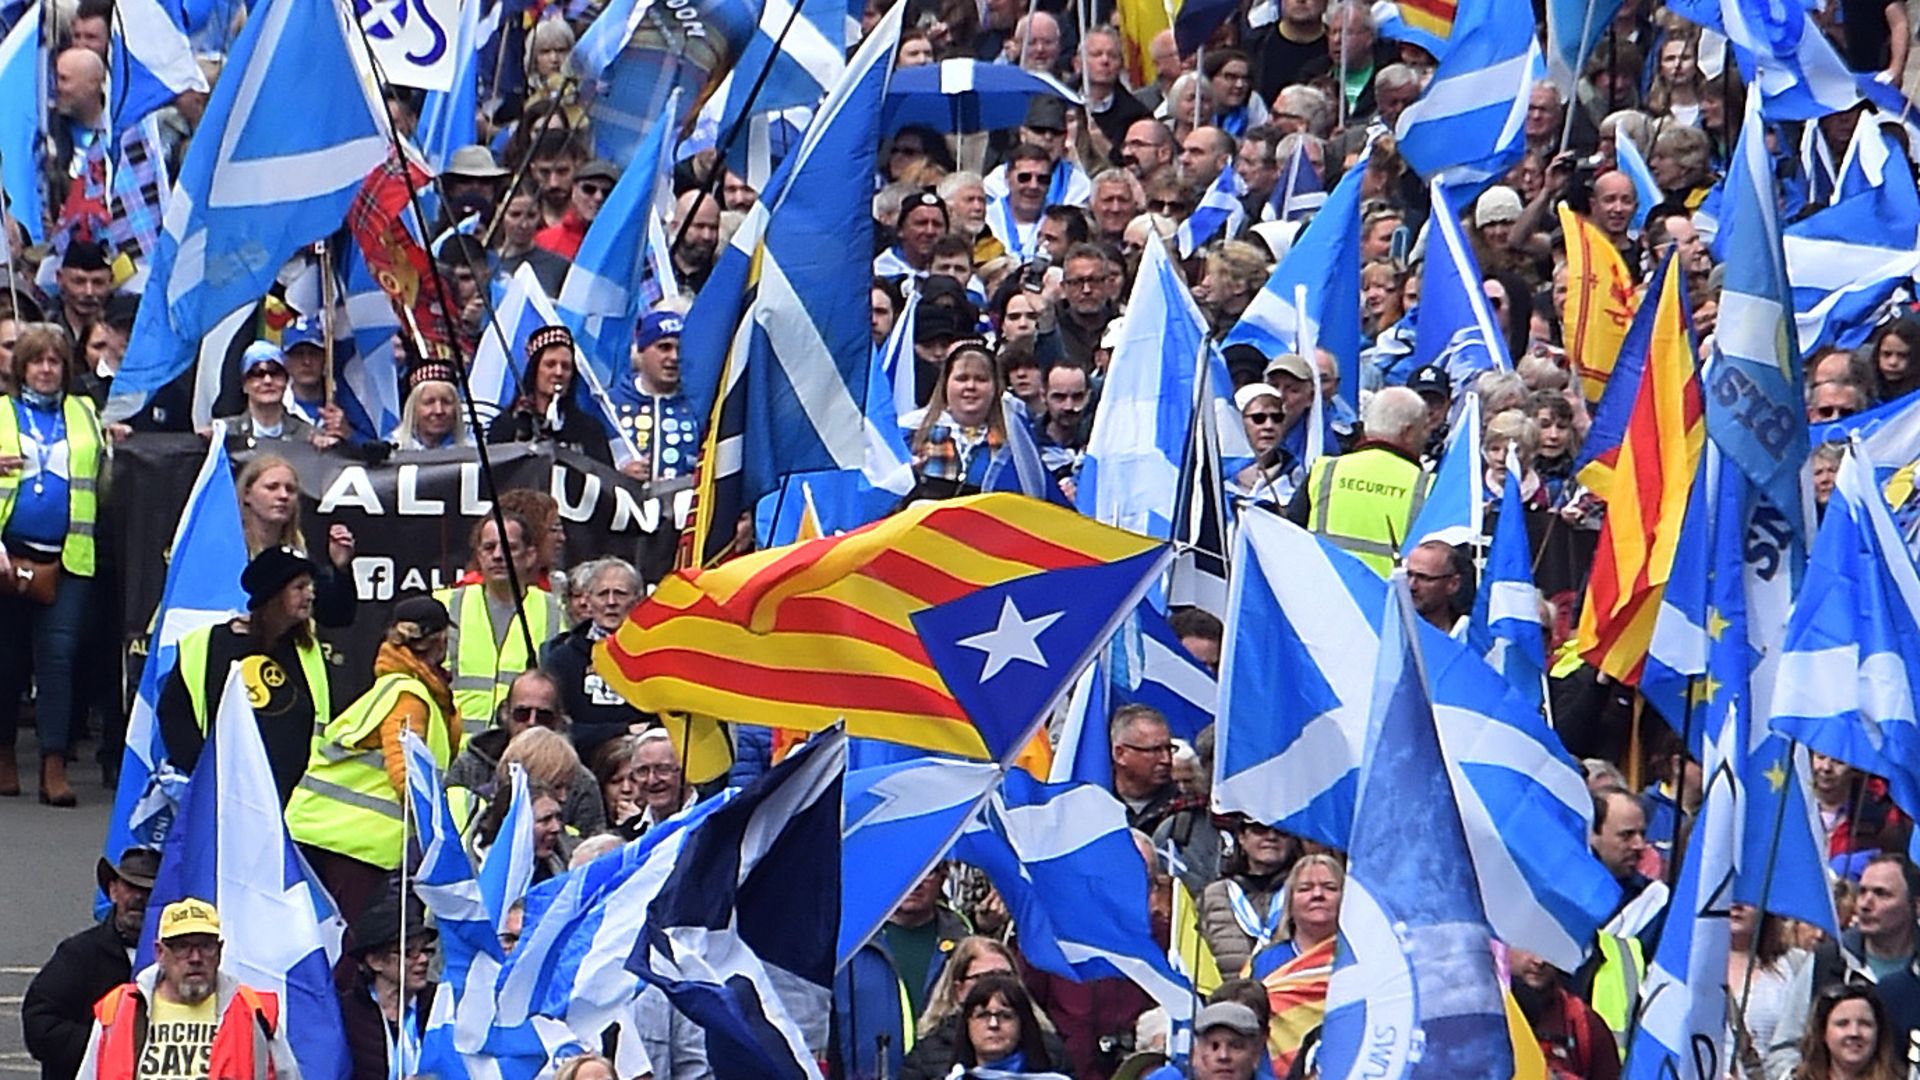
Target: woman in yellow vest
52,457
346,811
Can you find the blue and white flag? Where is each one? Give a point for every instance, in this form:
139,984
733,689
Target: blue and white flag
1758,359
1847,261
1220,213
1456,506
1143,664
635,54
20,119
367,387
255,188
1325,258
1016,466
1647,193
1064,860
230,847
1465,129
1684,1002
1574,27
900,819
1130,476
1505,626
1453,325
607,286
1296,688
742,935
202,589
499,369
1414,994
1888,432
1300,192
152,62
449,118
797,53
894,365
1784,55
506,871
1845,685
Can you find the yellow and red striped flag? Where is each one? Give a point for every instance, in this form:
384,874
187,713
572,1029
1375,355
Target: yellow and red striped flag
1600,303
1641,457
951,626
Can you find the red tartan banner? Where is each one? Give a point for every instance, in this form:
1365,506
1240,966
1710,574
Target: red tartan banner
395,258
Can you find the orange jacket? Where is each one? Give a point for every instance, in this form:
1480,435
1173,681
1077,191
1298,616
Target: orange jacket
241,1047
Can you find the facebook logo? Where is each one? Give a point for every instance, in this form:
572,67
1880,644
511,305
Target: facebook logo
373,577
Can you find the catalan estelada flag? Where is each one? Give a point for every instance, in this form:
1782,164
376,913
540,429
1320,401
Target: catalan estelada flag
951,626
1429,19
1641,456
1600,303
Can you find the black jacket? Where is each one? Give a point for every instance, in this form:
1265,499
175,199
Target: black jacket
366,1029
598,712
934,1055
57,1013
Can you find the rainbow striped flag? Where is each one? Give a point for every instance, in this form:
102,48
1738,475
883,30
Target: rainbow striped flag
951,626
1297,994
1641,457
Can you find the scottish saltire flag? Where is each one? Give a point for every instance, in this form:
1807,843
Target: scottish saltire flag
1016,467
254,188
1505,626
230,847
895,360
1414,994
1785,56
20,118
1202,523
1847,261
506,871
151,62
1647,193
606,290
635,54
1300,192
499,367
801,47
1889,432
202,589
1064,861
794,375
1220,213
1574,27
1465,128
1852,650
1453,326
900,819
1325,257
1296,682
742,933
1456,506
1143,430
1143,664
367,382
1759,356
448,118
1685,999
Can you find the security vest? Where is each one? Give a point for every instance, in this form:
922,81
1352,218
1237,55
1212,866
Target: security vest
240,1043
86,449
1364,502
481,674
345,803
1616,985
193,672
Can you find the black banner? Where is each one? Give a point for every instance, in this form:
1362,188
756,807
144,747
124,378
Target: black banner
410,517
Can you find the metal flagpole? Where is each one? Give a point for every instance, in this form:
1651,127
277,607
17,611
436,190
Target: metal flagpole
1579,62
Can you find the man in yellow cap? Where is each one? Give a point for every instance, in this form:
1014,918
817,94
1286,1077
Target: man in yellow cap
182,1018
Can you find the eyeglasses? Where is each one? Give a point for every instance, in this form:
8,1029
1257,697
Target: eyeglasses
995,1016
1029,178
537,714
598,191
1265,417
1165,749
1832,412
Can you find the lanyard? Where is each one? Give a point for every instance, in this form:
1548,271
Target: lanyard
42,443
1261,931
407,1042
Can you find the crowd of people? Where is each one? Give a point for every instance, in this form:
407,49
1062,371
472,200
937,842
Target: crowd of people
1021,249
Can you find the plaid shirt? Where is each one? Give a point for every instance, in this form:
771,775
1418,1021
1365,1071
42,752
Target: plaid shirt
140,189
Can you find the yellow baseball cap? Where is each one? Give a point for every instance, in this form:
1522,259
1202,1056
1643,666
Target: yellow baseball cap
189,916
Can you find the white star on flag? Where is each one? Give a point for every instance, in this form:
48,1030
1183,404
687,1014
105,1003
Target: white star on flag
1015,637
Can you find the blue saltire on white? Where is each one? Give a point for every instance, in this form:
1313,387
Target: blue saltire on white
1325,257
742,935
1846,682
1757,361
151,62
1465,128
368,387
448,118
1143,664
1296,682
1414,994
1453,324
506,870
607,288
1456,506
900,819
202,589
1219,213
1684,1001
1847,261
20,118
1064,860
254,188
1505,625
230,847
1647,193
1574,27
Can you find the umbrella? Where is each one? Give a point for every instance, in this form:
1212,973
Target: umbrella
965,95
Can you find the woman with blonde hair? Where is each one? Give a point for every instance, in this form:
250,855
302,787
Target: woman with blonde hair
430,419
1296,966
269,490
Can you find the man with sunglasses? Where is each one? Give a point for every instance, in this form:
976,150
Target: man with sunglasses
591,185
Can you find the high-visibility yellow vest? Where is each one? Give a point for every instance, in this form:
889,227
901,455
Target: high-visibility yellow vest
1364,502
192,659
345,803
481,674
1616,985
86,450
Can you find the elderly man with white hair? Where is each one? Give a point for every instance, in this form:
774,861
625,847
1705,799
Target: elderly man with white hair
1363,502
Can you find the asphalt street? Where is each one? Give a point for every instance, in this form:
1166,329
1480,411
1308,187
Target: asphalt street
46,886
